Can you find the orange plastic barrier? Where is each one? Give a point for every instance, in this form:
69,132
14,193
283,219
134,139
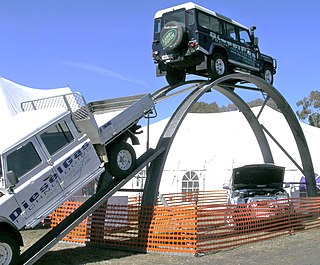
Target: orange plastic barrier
190,223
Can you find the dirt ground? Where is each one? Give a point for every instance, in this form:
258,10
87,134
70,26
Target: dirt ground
299,248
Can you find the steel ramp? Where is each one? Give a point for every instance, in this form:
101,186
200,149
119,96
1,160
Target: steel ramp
36,251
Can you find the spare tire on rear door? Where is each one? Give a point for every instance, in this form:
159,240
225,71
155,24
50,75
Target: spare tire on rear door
172,36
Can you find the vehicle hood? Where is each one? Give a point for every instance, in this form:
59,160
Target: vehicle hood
267,57
259,176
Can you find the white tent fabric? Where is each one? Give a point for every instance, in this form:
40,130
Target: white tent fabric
12,95
212,144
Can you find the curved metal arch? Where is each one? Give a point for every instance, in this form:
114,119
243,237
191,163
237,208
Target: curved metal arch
162,92
293,123
156,168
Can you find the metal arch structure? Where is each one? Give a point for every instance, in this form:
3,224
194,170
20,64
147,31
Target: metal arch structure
222,85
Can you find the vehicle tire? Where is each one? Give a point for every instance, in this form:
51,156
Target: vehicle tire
172,36
122,159
175,76
267,74
217,66
9,249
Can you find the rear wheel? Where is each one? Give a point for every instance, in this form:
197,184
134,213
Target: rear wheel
9,249
122,159
175,76
217,66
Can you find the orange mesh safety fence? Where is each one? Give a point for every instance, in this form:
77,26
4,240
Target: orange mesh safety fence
191,223
77,235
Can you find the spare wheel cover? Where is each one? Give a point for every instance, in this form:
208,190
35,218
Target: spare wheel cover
172,35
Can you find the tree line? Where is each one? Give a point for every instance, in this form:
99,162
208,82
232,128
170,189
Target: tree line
309,108
203,107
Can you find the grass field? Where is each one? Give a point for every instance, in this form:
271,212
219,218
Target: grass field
299,248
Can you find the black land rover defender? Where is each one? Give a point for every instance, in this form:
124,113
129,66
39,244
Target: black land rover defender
190,39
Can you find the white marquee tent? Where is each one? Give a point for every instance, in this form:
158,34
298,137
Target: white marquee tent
209,145
12,95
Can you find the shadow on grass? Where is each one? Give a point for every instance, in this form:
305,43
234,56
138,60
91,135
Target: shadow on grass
83,255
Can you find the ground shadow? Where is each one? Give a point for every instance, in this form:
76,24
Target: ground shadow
82,255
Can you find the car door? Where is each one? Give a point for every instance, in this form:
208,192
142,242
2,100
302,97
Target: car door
232,44
71,154
38,185
248,52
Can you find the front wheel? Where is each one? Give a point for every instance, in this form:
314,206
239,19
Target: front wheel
9,249
122,159
217,66
267,74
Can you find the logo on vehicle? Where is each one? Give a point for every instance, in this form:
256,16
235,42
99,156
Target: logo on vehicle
169,37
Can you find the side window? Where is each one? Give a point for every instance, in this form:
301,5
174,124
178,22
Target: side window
157,26
231,31
190,17
1,177
210,22
23,160
244,37
204,20
215,25
56,137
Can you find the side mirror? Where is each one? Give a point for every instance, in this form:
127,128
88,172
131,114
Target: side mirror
226,186
12,179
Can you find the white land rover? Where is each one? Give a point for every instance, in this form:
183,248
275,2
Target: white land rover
51,150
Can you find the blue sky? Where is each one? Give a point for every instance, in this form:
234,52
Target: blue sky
102,48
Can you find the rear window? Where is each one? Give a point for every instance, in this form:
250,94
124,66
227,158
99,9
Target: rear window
178,16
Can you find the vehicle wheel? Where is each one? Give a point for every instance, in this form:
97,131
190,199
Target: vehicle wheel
175,76
9,249
172,36
267,74
217,66
122,159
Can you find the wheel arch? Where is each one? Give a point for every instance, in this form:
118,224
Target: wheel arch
5,226
217,48
268,64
